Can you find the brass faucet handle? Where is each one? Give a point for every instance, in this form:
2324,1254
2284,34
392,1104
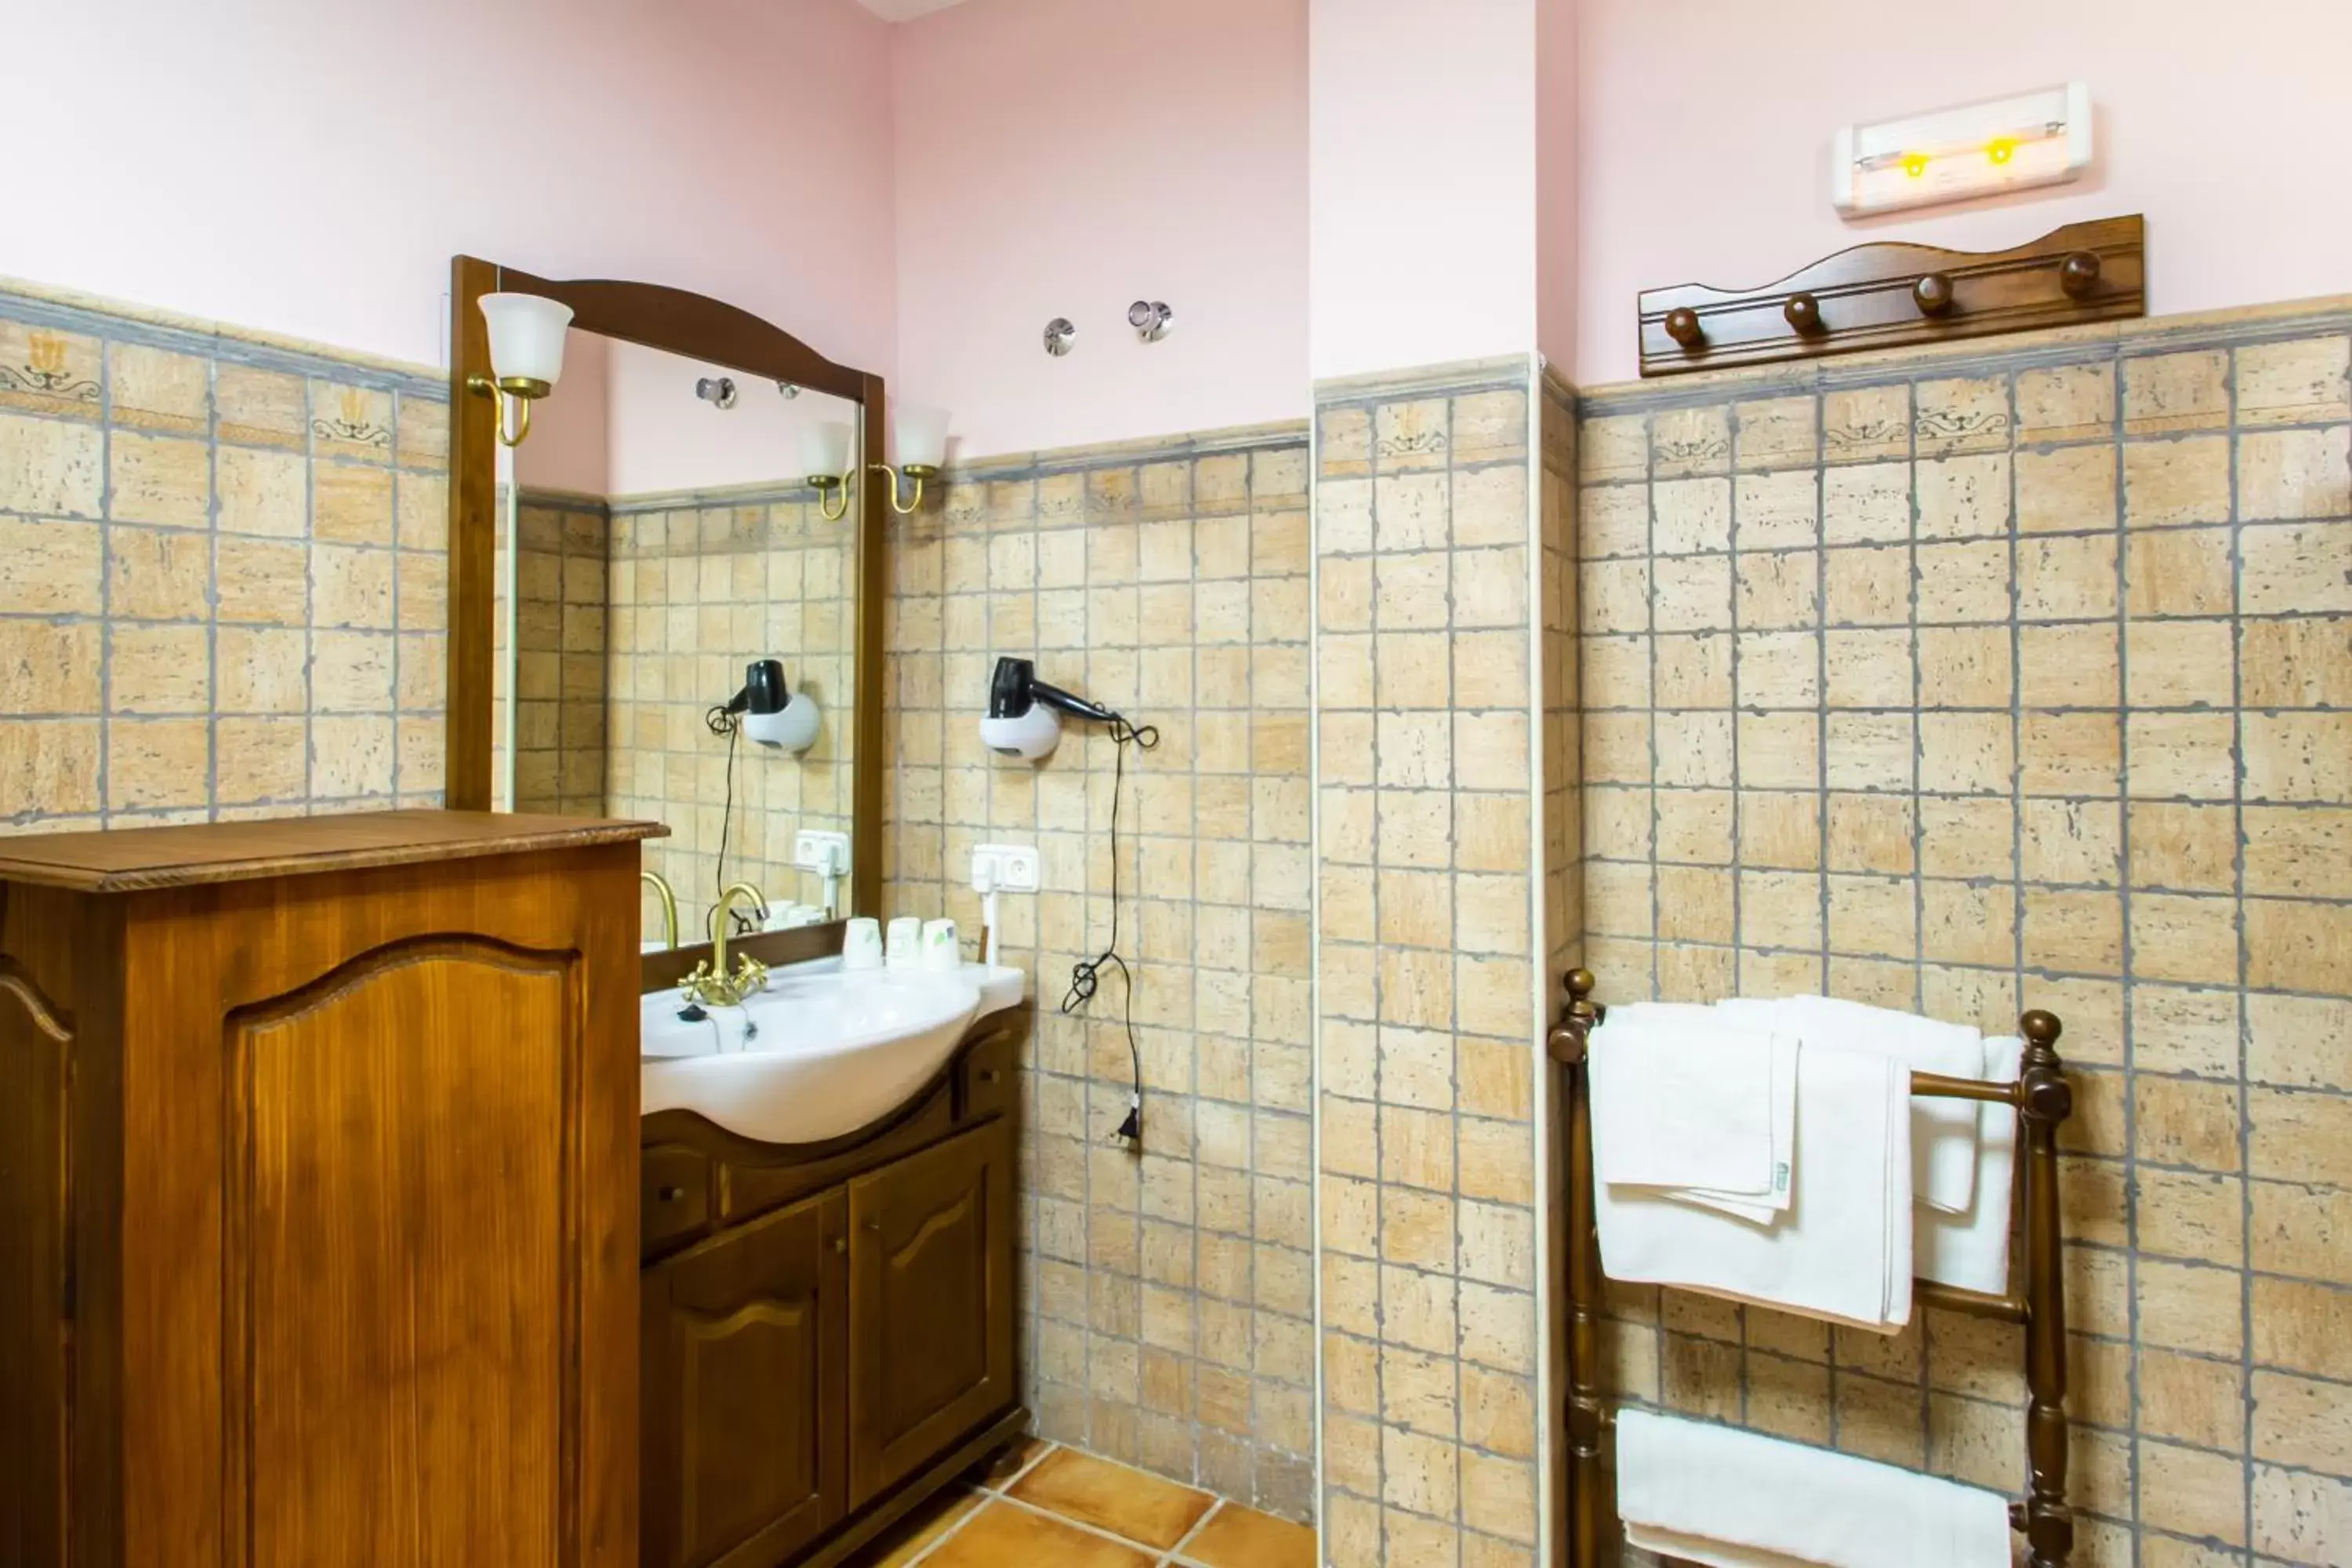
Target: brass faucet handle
708,986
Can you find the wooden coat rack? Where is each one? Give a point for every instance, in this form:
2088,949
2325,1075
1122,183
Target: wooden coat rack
2042,1098
1894,295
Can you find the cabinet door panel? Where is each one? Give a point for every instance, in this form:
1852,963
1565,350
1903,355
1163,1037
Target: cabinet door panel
402,1181
744,1392
930,1304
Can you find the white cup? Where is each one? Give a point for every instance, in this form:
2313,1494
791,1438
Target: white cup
906,943
942,949
861,946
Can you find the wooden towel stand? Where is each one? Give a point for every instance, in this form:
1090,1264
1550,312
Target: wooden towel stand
2042,1098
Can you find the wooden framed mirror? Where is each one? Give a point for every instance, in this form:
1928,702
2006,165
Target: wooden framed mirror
613,574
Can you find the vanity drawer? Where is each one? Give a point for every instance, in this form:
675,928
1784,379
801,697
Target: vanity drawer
989,1080
674,1201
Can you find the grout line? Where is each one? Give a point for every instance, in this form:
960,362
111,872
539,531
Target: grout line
1217,1507
2245,1021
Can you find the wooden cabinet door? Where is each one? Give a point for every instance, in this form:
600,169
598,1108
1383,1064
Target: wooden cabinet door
744,1392
35,1073
930,1303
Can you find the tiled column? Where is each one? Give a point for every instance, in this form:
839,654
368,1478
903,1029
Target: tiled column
1433,581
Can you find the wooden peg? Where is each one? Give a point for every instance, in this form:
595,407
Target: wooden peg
1682,325
2079,274
1804,313
1933,294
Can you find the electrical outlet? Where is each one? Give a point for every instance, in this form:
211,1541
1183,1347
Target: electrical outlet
1015,865
821,852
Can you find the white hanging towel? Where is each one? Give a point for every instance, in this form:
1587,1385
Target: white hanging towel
1729,1498
1943,1132
1971,1250
1701,1108
1841,1250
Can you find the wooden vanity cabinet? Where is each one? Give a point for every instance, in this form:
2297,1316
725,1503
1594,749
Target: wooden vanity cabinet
829,1332
317,1151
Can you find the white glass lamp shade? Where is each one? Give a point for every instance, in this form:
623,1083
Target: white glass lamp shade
825,449
923,436
526,336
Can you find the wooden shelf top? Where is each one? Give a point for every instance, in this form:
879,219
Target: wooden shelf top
134,859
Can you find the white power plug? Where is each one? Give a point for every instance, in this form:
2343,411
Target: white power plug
1001,869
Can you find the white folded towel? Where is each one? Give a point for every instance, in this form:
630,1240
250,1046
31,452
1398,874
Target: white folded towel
1737,1500
1971,1250
1841,1250
1943,1132
1698,1106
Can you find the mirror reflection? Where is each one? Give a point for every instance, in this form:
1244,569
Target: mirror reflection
677,626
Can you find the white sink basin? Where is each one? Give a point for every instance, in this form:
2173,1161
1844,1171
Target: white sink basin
817,1055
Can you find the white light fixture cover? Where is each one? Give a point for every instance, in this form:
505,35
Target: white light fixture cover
2041,138
526,336
923,436
825,449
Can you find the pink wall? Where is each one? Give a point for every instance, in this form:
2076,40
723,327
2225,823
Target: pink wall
569,444
1556,179
663,437
1706,127
1065,157
1424,183
310,169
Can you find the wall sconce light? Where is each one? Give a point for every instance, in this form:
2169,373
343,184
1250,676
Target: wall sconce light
526,355
825,457
922,451
1150,320
2043,138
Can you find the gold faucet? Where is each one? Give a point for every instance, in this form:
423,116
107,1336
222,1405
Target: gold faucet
669,903
710,983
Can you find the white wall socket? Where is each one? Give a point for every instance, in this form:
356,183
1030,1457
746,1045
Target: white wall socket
1014,867
813,850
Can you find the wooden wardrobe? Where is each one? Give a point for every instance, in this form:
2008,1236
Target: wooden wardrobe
318,1209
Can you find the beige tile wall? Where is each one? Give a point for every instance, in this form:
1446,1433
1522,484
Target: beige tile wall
1168,1293
699,587
223,575
2019,680
560,726
1434,579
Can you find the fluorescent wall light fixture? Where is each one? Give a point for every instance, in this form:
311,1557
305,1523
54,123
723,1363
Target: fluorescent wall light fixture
526,355
825,459
2041,138
922,439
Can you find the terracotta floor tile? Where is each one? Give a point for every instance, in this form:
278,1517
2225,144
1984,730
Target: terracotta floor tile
905,1541
1238,1537
1114,1498
1005,1536
1014,1460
